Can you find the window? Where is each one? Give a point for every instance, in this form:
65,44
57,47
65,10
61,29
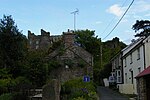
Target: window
126,77
119,79
119,73
131,61
139,69
119,76
30,42
37,42
138,53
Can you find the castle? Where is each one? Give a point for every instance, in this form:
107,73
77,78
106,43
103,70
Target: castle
73,60
42,41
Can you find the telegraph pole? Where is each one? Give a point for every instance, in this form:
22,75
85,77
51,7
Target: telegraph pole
74,13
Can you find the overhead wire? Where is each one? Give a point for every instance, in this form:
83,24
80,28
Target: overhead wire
119,20
112,19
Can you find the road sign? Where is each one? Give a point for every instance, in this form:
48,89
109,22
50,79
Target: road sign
86,78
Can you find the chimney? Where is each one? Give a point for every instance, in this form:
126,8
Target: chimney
68,38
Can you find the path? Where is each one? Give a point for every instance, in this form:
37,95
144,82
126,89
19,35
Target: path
108,94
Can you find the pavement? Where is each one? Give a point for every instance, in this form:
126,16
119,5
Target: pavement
108,94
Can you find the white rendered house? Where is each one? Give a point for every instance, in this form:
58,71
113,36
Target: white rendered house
133,63
147,51
117,70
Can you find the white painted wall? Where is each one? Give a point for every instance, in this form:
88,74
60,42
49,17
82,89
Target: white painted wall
117,68
136,67
147,51
126,88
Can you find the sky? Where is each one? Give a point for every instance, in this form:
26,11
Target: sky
55,16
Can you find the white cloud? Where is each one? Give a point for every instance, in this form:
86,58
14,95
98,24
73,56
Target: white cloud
116,10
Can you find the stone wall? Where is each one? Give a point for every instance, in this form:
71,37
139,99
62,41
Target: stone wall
51,91
42,41
141,88
71,56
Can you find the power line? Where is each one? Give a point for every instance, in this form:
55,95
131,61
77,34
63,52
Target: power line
112,19
119,20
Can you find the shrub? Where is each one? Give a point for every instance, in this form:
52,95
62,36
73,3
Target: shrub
4,84
6,96
76,89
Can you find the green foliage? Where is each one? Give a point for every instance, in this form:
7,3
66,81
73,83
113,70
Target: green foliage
54,46
4,73
79,98
6,96
4,83
105,71
109,50
13,44
9,85
76,88
36,68
81,64
92,44
53,64
89,41
13,96
68,62
21,84
142,28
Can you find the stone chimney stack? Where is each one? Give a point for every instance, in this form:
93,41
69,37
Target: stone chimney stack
68,38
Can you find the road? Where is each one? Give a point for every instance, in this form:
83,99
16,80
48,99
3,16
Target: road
108,94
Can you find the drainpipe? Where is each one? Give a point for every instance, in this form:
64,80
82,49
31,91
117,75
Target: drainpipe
144,55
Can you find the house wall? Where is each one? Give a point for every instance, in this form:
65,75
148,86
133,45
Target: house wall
147,51
76,55
132,69
142,89
126,88
117,68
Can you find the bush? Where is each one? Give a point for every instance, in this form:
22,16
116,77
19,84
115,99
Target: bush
19,96
13,96
6,96
76,89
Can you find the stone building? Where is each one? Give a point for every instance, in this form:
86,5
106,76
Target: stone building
73,60
42,41
143,83
112,43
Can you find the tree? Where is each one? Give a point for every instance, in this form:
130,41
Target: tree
142,28
89,41
13,45
36,69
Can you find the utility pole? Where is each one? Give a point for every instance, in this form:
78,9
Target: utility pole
74,13
101,53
